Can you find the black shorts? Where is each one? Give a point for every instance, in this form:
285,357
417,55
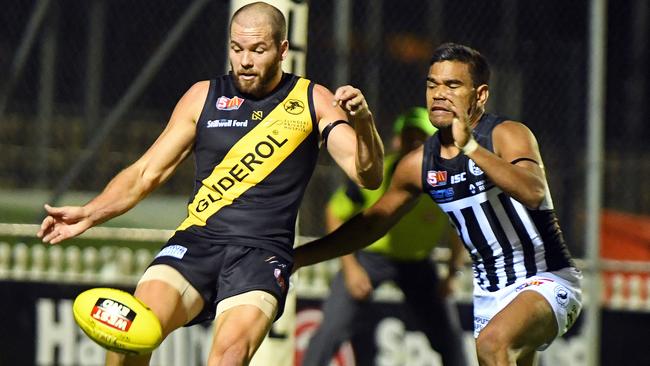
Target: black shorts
218,272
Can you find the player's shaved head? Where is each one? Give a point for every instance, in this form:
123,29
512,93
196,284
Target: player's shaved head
259,14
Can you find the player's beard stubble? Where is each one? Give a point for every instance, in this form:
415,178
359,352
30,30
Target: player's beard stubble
261,84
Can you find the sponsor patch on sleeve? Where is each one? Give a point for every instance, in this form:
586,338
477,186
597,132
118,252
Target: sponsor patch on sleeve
176,251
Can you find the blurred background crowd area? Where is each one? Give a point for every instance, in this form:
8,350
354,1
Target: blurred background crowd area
87,86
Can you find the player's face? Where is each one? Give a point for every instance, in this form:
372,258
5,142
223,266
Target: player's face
450,92
255,59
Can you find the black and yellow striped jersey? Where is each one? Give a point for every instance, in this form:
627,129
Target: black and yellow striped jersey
253,160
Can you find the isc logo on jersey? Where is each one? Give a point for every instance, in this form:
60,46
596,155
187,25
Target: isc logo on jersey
457,178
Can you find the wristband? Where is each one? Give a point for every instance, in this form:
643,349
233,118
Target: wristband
469,147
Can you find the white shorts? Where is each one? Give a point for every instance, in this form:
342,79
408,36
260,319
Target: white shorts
560,288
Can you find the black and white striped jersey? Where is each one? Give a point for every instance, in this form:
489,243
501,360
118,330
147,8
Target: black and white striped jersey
506,240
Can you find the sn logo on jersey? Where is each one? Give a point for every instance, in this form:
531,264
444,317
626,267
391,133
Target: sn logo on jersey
229,104
437,178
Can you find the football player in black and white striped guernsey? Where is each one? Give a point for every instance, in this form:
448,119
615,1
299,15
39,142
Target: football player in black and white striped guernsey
487,174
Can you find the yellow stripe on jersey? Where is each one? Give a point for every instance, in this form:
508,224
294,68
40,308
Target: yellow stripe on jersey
254,156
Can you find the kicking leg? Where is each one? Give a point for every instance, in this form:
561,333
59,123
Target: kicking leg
171,298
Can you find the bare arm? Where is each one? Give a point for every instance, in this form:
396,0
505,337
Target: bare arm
359,151
374,222
525,180
132,184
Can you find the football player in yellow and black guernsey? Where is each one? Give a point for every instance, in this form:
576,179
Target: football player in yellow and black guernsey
255,134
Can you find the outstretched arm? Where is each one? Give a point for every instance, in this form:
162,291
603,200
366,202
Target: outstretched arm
358,150
374,222
132,184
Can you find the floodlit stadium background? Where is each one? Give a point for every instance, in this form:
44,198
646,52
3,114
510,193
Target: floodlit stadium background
87,85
